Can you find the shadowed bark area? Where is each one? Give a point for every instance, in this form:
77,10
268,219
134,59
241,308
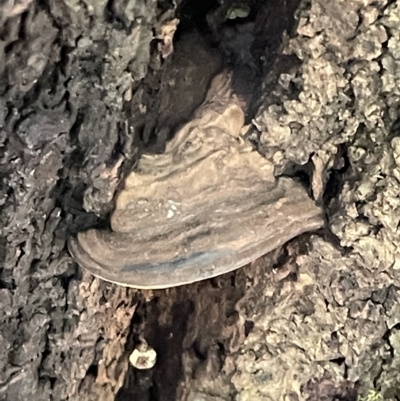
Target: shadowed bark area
87,87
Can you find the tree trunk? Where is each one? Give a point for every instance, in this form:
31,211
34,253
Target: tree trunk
87,87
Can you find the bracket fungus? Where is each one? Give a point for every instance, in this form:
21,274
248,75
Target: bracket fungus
209,205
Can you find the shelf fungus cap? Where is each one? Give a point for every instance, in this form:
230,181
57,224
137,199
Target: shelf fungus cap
143,357
207,206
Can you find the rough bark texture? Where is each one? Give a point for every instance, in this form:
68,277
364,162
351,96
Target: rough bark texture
82,93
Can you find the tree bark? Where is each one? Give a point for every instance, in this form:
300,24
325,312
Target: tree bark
85,88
